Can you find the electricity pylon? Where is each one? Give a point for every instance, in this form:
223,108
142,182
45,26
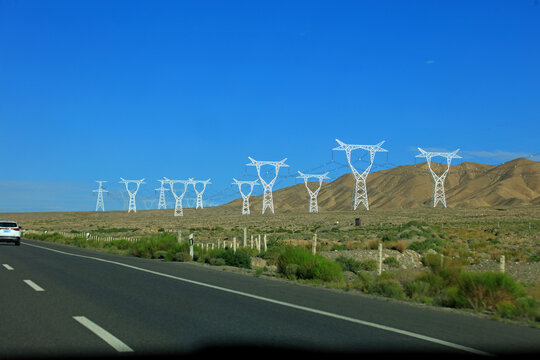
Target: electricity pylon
245,197
313,207
100,192
162,203
132,206
268,201
438,191
199,193
178,210
360,189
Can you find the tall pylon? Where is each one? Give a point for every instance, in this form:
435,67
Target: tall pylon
100,192
200,192
313,206
268,201
132,194
245,197
162,204
438,191
360,188
178,210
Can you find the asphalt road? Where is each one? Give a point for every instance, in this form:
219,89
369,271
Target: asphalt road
61,301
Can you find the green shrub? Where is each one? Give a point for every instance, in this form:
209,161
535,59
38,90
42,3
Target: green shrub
229,257
369,265
349,264
391,261
389,288
363,281
484,291
309,266
425,245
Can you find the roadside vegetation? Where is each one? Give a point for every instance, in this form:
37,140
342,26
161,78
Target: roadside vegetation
446,249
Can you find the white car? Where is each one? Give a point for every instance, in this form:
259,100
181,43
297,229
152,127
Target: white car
10,231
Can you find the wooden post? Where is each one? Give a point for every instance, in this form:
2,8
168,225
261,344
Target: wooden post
259,243
234,244
314,244
502,263
265,247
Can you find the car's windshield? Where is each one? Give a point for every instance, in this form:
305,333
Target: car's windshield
5,224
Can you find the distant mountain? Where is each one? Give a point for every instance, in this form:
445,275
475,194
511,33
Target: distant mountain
516,182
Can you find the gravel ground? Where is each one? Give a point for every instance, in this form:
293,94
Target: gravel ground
411,260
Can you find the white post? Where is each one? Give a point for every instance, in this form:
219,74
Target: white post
314,245
245,237
502,263
252,241
191,245
179,236
265,247
234,244
259,243
379,263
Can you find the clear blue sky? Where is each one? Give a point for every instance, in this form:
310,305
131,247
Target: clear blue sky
98,90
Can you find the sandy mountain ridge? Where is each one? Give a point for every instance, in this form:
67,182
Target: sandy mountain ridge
513,183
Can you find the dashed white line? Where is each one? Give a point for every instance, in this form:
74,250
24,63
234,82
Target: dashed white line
33,285
7,266
103,334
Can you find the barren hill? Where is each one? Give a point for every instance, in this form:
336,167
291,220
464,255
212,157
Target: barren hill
516,182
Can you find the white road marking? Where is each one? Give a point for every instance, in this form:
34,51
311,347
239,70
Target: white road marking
33,285
103,334
290,305
7,266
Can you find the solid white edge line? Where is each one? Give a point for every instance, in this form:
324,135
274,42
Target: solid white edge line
290,305
33,285
7,266
103,334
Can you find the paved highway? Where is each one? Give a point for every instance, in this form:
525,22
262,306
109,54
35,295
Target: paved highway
62,301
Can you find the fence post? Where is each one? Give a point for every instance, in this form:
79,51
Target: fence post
179,236
191,245
245,237
252,241
314,244
379,262
265,247
502,263
234,244
259,243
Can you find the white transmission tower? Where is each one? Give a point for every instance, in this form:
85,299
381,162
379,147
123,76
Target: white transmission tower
245,197
313,207
178,210
438,191
268,201
100,192
162,204
360,189
132,194
200,192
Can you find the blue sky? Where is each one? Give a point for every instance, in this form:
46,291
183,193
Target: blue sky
98,90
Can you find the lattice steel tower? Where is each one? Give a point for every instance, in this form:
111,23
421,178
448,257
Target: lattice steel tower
268,201
245,197
438,191
100,192
360,189
132,206
162,203
178,210
200,192
313,207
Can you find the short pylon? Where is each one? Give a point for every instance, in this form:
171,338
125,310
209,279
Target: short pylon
268,201
245,197
132,206
100,192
